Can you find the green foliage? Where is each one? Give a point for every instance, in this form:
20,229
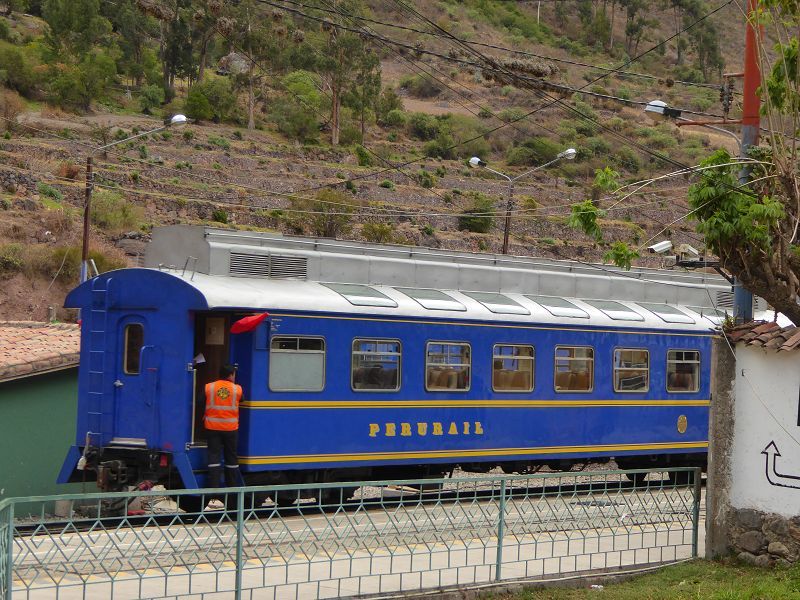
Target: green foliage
111,213
211,99
75,86
49,191
75,26
584,216
479,217
420,86
363,156
535,151
380,233
219,215
10,258
150,98
386,103
425,179
509,16
386,184
219,142
442,146
423,126
330,214
782,81
732,218
606,179
395,118
621,254
17,70
297,115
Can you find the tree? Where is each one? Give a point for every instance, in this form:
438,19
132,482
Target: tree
364,93
15,6
75,26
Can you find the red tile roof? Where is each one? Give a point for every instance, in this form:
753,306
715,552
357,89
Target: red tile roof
28,348
766,335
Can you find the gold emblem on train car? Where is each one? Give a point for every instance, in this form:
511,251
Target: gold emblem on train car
683,422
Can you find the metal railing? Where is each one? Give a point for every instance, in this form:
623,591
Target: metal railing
353,539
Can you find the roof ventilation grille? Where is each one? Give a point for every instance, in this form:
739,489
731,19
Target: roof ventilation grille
245,264
724,301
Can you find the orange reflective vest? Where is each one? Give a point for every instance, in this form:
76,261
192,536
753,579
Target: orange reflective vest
222,405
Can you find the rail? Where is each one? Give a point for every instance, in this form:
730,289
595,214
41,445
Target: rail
354,539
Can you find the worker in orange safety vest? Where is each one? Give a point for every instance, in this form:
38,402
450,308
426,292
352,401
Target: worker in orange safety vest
222,429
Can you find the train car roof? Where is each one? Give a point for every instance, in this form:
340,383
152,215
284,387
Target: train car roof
258,294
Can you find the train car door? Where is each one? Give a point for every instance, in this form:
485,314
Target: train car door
212,341
136,386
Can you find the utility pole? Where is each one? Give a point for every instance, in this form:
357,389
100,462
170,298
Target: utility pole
751,121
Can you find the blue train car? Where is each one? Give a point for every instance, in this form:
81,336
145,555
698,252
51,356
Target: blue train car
349,381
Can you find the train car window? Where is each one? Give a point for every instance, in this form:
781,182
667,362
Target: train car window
448,366
498,303
615,310
574,369
558,307
683,371
631,370
432,299
376,365
361,295
512,368
296,364
667,313
134,340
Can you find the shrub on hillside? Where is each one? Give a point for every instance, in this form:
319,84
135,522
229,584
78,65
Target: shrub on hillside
380,233
477,218
10,258
395,118
421,86
212,99
77,86
423,126
150,98
363,156
111,212
532,152
11,106
387,102
16,71
330,214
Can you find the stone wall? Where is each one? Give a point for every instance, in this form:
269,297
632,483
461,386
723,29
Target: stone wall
764,539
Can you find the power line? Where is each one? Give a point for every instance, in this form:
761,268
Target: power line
516,51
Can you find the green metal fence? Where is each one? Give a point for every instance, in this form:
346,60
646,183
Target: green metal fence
365,538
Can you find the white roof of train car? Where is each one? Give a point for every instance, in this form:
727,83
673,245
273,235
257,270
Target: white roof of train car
380,300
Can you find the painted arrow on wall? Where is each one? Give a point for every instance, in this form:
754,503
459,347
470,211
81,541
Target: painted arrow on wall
771,454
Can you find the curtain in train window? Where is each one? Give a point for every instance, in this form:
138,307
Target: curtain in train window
376,365
447,366
631,370
512,368
297,364
574,369
683,371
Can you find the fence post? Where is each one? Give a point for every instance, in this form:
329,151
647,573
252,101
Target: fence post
239,542
501,527
8,555
696,510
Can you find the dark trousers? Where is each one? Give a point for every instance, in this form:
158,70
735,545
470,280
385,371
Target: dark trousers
220,442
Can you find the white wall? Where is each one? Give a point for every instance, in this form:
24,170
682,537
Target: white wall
767,387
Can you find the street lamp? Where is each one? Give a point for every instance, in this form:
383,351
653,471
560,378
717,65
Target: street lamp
658,110
476,162
87,206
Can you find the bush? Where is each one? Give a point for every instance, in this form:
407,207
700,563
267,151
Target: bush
422,126
425,179
395,118
532,152
188,135
386,184
11,106
110,212
15,70
475,218
220,142
76,86
363,156
10,258
49,191
626,158
150,98
349,135
380,233
329,214
197,105
420,86
219,216
388,102
295,122
211,99
441,147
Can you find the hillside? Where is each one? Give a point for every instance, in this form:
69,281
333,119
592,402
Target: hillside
427,103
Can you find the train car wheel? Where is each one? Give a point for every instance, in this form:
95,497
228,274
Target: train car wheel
680,477
636,479
335,495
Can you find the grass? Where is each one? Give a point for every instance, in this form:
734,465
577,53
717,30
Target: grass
701,579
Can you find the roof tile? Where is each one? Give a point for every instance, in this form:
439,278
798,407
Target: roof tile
766,335
29,347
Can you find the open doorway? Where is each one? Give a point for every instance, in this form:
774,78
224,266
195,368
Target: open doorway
212,340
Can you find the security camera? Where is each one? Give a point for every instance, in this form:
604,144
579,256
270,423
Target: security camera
687,251
660,247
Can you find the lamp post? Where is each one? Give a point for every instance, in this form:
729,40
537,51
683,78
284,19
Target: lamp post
476,162
87,205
